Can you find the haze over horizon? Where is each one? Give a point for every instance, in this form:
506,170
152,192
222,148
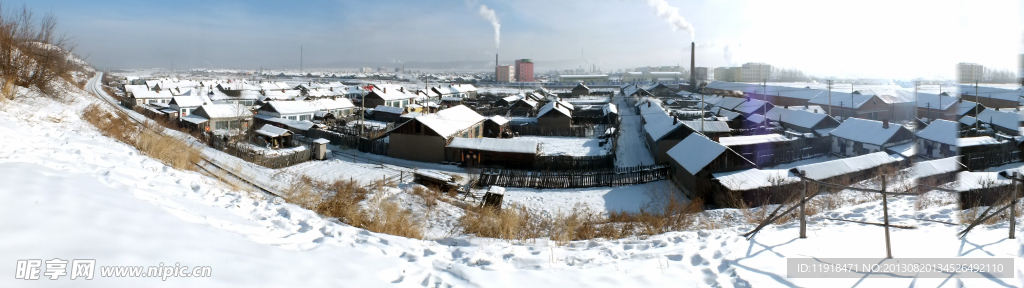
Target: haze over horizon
870,39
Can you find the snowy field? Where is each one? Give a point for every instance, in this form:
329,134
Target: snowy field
570,146
71,193
649,197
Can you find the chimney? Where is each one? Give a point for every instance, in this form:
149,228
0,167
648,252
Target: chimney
693,76
885,123
675,120
648,104
495,59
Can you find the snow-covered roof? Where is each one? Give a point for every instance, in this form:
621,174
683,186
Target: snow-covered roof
752,139
188,101
695,152
449,121
225,110
754,178
975,141
756,118
969,106
968,120
498,119
799,118
391,92
610,109
331,104
866,131
842,98
938,166
1005,119
554,105
195,119
659,125
905,150
146,94
751,106
932,101
942,131
709,126
829,169
388,109
967,180
280,95
292,107
991,92
272,131
527,146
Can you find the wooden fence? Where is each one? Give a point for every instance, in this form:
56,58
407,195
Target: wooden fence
248,154
583,131
378,146
552,163
976,161
574,178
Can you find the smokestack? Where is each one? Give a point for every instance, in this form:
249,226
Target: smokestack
495,59
693,72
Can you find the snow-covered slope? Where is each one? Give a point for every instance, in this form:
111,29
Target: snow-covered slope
67,192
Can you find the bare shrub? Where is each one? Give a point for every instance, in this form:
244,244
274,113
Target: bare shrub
428,195
388,217
32,54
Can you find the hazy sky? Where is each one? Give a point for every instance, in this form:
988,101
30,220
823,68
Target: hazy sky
866,38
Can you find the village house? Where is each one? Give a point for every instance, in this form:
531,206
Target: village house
659,90
292,110
140,97
802,121
555,114
1006,121
493,153
272,137
388,114
991,97
388,96
760,149
871,107
332,108
968,108
424,138
496,127
220,118
938,140
937,106
185,105
580,90
695,159
455,90
856,137
523,108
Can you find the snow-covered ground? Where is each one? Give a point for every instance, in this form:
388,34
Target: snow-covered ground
649,196
632,147
71,193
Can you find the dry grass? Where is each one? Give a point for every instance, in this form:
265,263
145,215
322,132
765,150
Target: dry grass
345,201
429,195
171,151
581,223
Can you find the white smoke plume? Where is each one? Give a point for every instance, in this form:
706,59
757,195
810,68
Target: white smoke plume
488,13
671,15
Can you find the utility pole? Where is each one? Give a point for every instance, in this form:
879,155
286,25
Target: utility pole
362,114
916,104
764,108
976,103
301,55
830,99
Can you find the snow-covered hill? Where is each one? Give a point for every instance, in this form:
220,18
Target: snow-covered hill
68,192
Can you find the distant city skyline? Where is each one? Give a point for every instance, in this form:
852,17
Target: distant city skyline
870,39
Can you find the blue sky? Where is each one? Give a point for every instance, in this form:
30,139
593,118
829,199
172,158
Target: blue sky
869,38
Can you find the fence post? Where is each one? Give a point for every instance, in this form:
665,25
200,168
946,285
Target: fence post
803,197
885,214
1013,207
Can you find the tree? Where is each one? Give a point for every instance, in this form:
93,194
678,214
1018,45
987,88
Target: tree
32,55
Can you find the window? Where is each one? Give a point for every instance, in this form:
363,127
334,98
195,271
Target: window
303,117
184,112
221,125
235,124
293,118
477,134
